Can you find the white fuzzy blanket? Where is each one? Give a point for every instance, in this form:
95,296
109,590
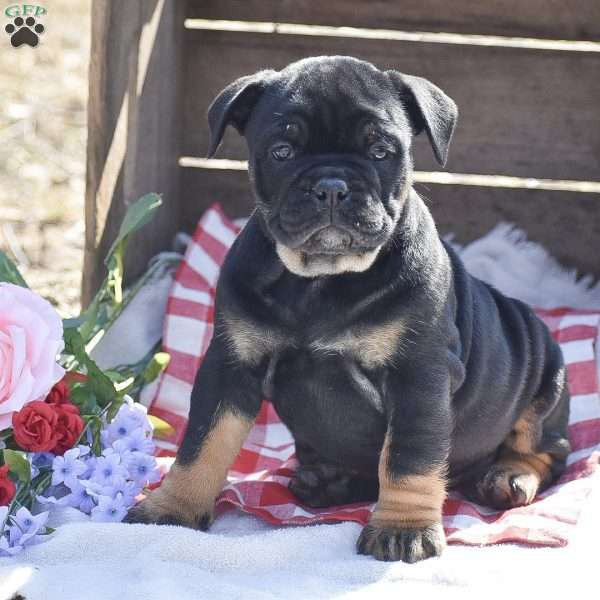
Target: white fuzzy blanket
242,557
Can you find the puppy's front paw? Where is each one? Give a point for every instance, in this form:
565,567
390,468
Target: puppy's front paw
398,543
155,509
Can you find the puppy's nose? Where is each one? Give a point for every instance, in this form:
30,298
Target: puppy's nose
330,190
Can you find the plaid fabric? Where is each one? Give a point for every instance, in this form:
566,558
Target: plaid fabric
258,479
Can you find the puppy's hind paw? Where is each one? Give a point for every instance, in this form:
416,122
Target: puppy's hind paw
323,484
504,487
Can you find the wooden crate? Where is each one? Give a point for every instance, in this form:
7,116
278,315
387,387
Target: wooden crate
525,76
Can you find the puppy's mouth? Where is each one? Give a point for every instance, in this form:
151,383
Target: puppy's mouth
330,240
330,237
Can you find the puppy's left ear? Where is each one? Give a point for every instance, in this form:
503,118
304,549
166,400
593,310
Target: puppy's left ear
234,105
428,108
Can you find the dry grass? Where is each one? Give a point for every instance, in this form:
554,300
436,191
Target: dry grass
42,152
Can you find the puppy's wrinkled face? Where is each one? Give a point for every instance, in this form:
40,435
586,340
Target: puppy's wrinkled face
330,162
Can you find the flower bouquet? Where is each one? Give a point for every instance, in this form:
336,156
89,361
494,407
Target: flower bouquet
70,433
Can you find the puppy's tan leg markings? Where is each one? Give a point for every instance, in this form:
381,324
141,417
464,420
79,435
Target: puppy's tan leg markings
189,491
520,472
515,479
409,501
526,433
406,524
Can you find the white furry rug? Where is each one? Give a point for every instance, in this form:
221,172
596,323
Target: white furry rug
521,269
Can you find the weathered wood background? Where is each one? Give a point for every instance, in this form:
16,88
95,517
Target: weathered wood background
528,94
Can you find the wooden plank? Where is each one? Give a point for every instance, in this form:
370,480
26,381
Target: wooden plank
553,19
133,129
566,224
527,113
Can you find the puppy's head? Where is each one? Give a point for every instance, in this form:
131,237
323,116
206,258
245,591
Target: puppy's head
330,154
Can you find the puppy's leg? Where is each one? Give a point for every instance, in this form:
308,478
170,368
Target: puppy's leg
513,480
225,402
407,522
320,483
534,453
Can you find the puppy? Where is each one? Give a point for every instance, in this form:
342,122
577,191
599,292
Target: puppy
397,373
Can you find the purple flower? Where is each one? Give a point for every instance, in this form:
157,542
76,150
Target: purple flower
143,468
128,490
130,417
66,469
81,498
138,441
38,461
56,494
25,527
138,412
6,549
109,509
107,469
27,522
84,451
42,459
90,465
119,429
121,448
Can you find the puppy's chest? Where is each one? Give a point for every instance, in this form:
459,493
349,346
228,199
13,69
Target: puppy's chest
371,346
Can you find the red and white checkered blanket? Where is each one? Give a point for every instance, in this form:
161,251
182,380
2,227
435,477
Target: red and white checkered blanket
258,479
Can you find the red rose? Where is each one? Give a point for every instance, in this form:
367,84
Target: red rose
7,487
59,394
69,427
34,427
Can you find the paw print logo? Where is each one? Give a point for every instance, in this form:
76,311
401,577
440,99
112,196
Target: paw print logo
24,31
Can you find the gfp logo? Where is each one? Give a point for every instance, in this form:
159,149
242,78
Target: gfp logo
24,27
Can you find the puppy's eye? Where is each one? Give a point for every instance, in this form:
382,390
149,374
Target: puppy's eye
282,152
292,129
378,152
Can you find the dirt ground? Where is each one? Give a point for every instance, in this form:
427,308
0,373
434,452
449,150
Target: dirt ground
43,94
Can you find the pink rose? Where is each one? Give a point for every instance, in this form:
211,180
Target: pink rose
31,337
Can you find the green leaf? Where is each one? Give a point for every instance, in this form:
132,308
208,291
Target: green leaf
85,399
97,381
113,409
47,531
9,271
108,301
73,322
140,213
90,316
18,464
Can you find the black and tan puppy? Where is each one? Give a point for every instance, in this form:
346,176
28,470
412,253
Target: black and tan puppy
397,372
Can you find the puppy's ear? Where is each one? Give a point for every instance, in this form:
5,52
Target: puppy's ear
428,108
234,105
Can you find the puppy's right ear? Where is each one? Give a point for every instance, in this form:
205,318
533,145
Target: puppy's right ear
234,105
